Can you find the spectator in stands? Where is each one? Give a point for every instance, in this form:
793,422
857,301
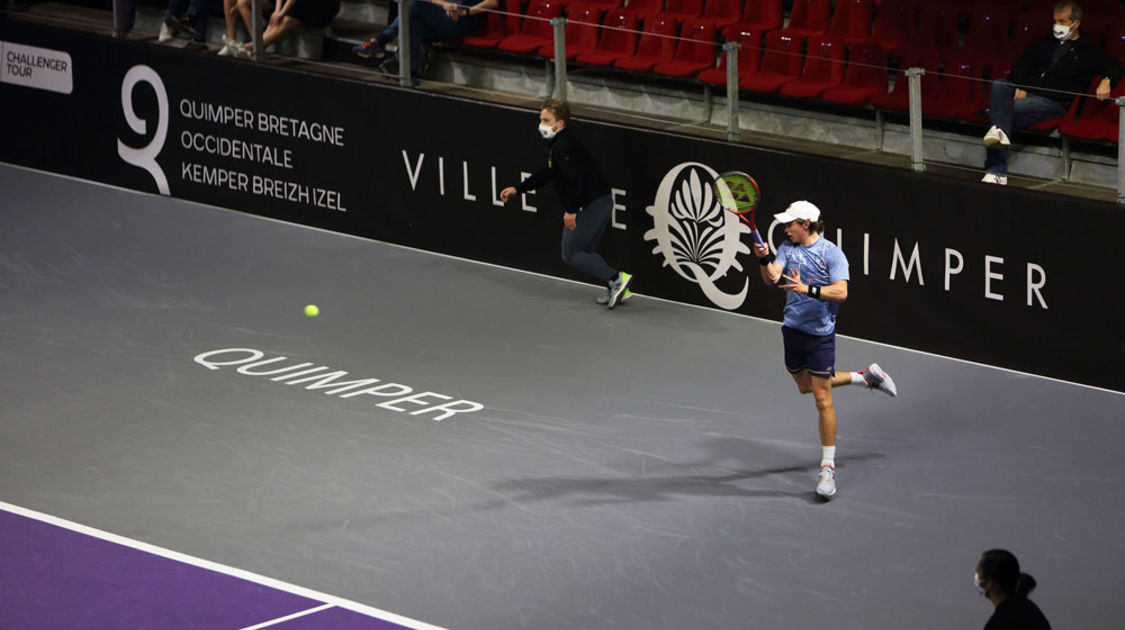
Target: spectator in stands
1043,83
124,22
999,579
585,197
284,16
187,17
430,20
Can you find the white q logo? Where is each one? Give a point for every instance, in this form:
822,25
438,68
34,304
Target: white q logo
698,239
145,157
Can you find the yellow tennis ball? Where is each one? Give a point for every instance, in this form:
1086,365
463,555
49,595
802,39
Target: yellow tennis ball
311,310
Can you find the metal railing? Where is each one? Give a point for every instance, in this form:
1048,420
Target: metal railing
731,50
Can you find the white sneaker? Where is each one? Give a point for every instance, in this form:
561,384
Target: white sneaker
228,47
826,481
996,137
876,378
166,33
231,48
993,178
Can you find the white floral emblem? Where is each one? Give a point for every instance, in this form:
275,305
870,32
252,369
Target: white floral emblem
697,237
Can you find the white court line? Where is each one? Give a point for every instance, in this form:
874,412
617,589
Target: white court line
242,574
296,615
550,277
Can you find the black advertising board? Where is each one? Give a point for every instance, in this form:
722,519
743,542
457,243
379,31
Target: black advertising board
987,274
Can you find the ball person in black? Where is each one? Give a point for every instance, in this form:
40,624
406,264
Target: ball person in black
585,198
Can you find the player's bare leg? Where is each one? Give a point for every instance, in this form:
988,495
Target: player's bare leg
821,389
826,413
873,378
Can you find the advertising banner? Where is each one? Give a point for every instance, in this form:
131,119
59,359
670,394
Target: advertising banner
987,274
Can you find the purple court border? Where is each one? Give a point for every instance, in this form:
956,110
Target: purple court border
56,573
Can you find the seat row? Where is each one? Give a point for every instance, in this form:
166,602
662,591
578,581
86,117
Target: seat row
801,60
997,31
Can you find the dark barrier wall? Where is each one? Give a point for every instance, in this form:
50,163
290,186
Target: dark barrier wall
1001,276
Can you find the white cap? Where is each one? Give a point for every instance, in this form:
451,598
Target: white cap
799,210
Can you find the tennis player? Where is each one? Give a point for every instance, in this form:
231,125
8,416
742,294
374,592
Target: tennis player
585,198
814,274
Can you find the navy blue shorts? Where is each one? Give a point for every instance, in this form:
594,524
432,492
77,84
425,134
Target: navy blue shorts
815,353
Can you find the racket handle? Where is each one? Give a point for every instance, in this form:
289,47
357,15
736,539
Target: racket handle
753,229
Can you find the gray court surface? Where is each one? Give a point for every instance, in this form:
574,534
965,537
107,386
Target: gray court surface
647,467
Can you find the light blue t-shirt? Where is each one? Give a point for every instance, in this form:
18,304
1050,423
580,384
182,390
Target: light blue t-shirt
820,264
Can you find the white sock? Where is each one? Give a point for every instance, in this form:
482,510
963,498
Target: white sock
828,456
857,379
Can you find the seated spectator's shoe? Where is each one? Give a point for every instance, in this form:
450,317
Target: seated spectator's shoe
370,48
166,33
996,137
993,178
826,482
877,379
182,24
229,46
604,299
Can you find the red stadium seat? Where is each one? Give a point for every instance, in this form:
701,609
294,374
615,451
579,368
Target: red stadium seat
1100,23
851,20
937,28
605,5
619,39
761,15
1071,112
658,43
824,68
749,55
809,17
866,76
988,33
583,26
899,98
1100,120
644,8
1115,42
498,25
781,63
695,52
961,91
683,10
894,24
536,30
722,13
1027,27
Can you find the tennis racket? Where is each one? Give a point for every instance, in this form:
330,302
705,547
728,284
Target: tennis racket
738,193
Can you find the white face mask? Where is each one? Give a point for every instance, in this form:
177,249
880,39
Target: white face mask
1061,32
977,581
547,131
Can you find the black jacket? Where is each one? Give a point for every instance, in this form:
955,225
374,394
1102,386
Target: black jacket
1017,613
573,171
1036,69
